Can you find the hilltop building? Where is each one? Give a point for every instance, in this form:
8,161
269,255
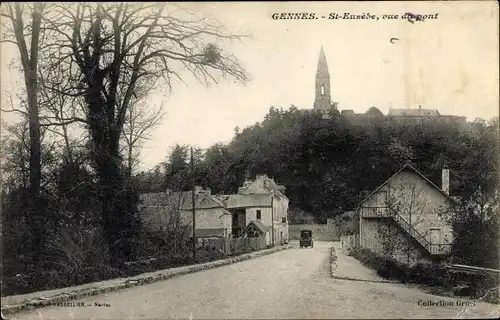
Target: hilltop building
324,105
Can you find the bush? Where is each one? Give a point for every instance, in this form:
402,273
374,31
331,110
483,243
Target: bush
486,287
389,268
17,284
53,279
427,273
83,266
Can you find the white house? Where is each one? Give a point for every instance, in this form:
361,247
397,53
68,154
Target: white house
402,217
262,201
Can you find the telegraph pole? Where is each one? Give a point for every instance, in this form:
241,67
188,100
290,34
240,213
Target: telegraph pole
272,217
193,204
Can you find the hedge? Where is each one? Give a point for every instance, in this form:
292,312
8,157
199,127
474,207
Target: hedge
430,274
54,279
389,268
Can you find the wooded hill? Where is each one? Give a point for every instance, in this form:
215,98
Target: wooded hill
328,164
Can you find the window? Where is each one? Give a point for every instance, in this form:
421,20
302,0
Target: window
283,220
258,214
322,89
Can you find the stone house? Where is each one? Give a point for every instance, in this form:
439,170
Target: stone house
173,210
261,201
402,217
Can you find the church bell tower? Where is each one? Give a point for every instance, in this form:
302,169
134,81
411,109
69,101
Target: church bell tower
323,100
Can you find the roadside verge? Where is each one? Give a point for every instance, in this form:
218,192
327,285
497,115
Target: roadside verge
343,267
13,304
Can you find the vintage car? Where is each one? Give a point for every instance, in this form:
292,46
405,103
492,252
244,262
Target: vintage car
306,238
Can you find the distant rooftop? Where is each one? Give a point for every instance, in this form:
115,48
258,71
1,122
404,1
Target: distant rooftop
413,112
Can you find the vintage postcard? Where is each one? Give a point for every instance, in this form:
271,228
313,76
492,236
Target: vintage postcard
250,160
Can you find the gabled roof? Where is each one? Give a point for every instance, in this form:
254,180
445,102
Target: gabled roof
412,169
203,201
247,200
180,200
258,225
348,113
261,225
263,185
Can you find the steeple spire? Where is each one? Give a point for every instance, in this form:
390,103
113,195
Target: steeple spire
323,100
322,64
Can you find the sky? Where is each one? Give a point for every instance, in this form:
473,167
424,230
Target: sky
449,64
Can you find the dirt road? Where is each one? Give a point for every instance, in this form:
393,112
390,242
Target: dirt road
294,283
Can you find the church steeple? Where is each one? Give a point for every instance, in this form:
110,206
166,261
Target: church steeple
323,100
322,64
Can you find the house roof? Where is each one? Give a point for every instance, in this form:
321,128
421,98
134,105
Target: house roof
204,201
247,200
181,200
413,112
348,113
259,225
263,184
412,169
374,112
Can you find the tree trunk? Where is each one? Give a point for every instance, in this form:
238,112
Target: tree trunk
129,161
29,62
117,202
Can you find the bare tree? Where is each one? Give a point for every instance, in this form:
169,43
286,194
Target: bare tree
138,123
15,155
15,13
108,52
409,202
57,109
24,31
162,214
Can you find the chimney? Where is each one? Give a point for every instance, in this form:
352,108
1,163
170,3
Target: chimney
445,180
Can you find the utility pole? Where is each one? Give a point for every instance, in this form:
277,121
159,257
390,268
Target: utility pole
193,204
272,216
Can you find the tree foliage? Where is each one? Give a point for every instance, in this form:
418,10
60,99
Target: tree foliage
88,69
328,164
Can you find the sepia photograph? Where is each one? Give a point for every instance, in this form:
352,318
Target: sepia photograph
250,160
